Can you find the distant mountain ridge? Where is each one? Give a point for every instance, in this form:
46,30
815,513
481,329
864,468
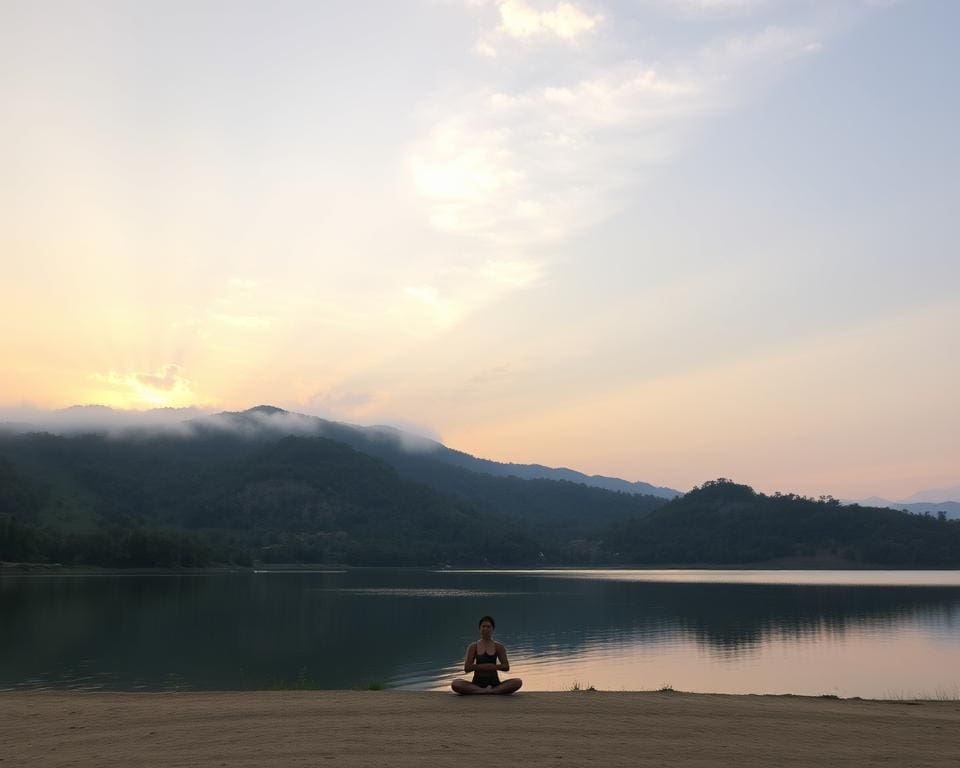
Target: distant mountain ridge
952,508
369,438
382,441
935,496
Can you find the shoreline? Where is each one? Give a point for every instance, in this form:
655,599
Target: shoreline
400,728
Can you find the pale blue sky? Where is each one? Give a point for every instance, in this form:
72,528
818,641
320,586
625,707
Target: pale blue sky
665,239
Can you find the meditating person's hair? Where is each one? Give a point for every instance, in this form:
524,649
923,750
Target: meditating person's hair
487,618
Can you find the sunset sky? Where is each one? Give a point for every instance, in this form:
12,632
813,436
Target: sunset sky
667,240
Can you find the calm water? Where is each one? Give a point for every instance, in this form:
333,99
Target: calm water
871,634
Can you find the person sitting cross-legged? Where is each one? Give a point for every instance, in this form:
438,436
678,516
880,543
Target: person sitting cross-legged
485,658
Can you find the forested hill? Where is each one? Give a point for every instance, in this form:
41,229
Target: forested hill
409,453
217,495
723,523
220,495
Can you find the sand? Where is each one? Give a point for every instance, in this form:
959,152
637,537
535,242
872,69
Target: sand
393,728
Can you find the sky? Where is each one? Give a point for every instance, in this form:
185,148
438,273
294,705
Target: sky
667,240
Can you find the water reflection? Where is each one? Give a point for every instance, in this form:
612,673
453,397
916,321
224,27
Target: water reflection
870,578
409,629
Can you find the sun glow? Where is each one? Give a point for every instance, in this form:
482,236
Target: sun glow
165,388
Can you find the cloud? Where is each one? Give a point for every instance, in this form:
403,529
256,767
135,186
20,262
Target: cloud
443,310
531,167
520,21
689,7
556,149
564,20
514,273
233,308
533,144
167,386
773,43
408,435
485,48
166,379
186,423
94,418
245,322
631,92
549,141
493,375
462,163
340,403
256,422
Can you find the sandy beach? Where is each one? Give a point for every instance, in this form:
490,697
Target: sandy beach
388,728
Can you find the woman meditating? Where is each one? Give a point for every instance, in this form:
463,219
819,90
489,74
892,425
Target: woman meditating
485,658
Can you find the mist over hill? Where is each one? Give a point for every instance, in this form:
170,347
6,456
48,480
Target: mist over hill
388,442
268,485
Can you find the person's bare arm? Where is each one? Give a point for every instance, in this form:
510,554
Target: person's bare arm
504,665
470,662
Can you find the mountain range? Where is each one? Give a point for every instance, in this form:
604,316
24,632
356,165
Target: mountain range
273,486
80,419
377,440
952,508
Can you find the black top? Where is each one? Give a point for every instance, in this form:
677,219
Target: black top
483,677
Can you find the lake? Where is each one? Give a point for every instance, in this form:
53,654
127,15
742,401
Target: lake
876,634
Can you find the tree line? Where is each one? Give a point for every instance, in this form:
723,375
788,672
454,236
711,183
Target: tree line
726,523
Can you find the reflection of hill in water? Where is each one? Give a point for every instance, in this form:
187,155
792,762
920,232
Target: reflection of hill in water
722,617
343,630
733,617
